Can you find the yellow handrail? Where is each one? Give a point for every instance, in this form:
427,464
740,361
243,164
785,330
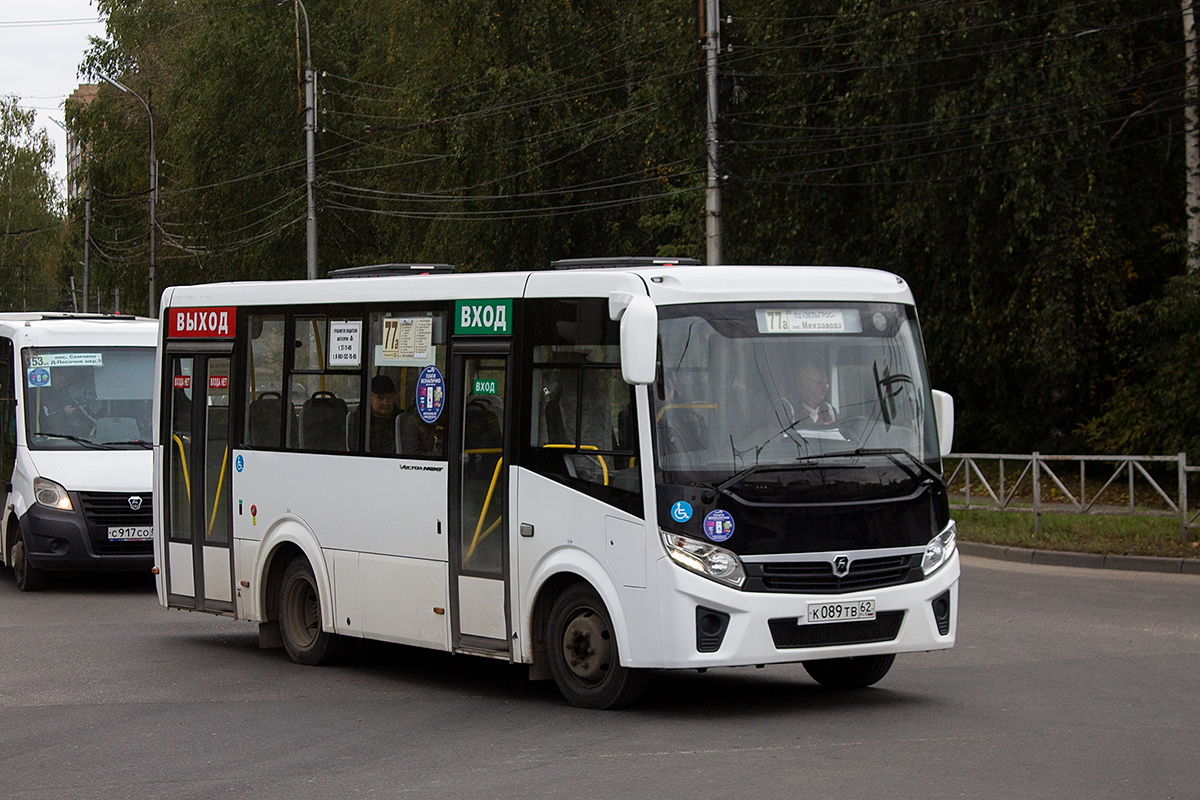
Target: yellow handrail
216,500
487,501
669,406
187,484
603,464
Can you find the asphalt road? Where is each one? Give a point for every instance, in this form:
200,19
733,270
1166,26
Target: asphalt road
1066,683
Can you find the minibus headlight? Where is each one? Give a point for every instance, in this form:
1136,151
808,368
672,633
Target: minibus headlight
705,559
939,549
51,494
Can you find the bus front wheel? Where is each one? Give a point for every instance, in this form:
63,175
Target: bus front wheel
855,672
29,578
582,650
300,619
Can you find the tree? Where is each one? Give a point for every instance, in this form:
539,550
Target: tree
31,247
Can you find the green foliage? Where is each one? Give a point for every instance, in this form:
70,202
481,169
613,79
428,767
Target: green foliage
1011,161
31,230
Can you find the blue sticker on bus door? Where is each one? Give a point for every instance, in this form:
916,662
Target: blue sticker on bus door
37,377
431,394
718,525
681,511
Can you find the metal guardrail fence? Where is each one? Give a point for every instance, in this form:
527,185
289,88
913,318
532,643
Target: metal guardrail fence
1042,486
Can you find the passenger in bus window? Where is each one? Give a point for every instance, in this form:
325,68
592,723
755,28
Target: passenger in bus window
382,433
815,408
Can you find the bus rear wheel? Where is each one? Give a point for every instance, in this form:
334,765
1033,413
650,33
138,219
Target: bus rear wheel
582,650
855,672
299,608
29,578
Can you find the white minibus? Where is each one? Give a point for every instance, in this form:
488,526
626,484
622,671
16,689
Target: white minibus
76,394
599,470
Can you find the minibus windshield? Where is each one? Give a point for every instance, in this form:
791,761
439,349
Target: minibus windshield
775,386
86,398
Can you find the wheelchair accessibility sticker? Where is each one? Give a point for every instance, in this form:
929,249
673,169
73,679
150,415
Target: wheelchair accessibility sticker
681,511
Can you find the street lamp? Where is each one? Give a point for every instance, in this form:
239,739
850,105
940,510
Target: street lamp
153,302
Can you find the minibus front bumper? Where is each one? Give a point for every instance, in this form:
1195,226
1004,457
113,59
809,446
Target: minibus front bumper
61,540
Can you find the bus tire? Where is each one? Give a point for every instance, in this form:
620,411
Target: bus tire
299,607
29,578
855,672
581,647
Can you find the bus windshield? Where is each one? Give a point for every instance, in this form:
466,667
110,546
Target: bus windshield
87,398
776,386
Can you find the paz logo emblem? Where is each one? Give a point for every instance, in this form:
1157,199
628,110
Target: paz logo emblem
135,503
841,566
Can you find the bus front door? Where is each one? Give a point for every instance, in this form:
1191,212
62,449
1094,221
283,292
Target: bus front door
479,501
197,517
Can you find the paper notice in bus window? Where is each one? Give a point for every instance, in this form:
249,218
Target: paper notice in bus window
345,343
407,338
67,360
809,320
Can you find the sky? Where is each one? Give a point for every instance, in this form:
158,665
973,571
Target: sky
41,45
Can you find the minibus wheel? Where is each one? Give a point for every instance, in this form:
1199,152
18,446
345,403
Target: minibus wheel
300,619
29,578
581,647
855,672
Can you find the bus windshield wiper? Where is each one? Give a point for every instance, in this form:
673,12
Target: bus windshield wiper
73,438
892,452
711,492
138,442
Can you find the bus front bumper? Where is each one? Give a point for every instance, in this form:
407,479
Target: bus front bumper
738,628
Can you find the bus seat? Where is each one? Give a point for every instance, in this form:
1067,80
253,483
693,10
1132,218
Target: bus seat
117,429
323,423
263,420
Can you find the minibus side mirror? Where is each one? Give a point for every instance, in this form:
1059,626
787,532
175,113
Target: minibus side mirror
639,335
943,412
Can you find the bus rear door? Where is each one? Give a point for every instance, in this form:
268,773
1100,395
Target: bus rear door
199,563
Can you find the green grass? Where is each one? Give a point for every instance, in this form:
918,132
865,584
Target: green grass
1080,533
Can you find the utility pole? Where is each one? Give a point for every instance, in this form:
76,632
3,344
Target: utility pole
310,128
1191,135
87,237
712,193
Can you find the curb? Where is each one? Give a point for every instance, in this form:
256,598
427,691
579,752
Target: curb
1058,558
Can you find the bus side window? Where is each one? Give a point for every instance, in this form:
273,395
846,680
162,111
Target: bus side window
264,381
581,421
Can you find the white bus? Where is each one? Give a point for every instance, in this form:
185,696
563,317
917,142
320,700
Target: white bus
597,470
76,393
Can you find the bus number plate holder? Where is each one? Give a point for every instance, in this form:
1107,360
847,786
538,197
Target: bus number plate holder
862,610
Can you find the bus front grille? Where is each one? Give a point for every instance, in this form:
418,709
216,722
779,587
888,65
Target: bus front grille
104,510
817,577
788,633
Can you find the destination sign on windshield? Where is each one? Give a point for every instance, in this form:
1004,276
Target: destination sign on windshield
809,320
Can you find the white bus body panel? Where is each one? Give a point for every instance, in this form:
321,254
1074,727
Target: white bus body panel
380,544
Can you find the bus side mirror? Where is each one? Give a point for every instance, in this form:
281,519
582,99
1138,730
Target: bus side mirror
639,335
943,412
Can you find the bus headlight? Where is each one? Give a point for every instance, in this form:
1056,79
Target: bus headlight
52,494
939,549
705,559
